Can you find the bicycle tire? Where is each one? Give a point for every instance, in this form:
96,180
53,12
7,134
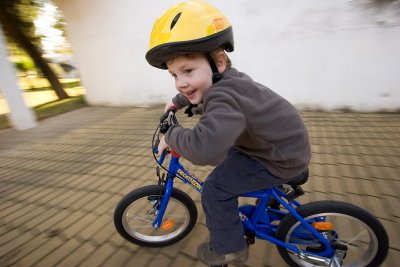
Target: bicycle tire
370,233
140,206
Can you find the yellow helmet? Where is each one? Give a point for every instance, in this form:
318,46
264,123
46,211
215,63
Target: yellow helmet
189,27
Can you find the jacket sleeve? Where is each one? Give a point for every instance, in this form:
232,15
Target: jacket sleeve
215,133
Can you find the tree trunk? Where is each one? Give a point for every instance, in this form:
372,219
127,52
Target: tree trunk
10,25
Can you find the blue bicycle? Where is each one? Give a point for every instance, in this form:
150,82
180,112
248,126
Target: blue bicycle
321,233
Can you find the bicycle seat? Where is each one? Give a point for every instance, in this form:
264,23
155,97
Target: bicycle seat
302,179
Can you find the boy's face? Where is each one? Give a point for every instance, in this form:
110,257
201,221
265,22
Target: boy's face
192,74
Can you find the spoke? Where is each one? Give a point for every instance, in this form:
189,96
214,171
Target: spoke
350,243
139,218
356,237
141,226
144,220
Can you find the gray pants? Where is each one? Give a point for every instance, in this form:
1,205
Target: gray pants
238,174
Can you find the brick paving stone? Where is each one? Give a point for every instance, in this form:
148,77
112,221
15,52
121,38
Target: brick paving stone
109,205
392,205
53,193
59,200
145,257
13,239
389,188
335,185
95,227
27,217
40,219
119,258
97,202
98,183
121,185
25,249
108,184
75,257
392,229
60,253
107,233
52,222
393,259
8,208
40,252
82,181
35,193
24,215
73,217
100,255
182,260
74,196
86,198
85,221
3,229
161,259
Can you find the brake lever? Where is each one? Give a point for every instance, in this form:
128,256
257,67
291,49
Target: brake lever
166,114
167,120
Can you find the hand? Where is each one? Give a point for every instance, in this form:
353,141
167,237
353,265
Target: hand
162,146
169,105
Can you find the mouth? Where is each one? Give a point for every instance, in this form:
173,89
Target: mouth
190,94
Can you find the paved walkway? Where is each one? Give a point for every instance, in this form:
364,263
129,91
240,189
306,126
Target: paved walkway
60,182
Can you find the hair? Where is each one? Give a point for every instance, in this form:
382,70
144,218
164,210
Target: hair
213,54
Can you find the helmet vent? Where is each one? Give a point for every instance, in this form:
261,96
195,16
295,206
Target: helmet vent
175,20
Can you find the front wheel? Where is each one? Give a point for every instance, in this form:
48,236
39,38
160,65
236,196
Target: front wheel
365,237
135,213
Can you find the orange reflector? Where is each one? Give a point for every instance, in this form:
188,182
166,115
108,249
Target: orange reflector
167,224
323,226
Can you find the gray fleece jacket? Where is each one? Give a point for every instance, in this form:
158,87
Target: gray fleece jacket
239,112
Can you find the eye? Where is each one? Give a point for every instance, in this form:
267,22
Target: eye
188,71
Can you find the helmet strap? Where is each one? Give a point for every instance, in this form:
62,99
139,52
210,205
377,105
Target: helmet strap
216,75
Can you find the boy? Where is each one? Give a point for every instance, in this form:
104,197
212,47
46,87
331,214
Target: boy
254,137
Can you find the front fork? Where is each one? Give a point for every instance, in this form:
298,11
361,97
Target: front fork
163,203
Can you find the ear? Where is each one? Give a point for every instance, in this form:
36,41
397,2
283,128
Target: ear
221,61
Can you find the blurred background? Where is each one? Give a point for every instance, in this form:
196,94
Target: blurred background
326,55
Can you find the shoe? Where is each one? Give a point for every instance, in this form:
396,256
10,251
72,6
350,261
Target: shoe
210,258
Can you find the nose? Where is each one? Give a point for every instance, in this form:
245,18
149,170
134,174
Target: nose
180,82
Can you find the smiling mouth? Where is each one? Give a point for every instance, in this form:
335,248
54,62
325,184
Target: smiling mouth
190,94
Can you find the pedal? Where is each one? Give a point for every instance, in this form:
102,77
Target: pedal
250,238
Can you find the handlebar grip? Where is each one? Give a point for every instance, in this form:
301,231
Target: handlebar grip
165,115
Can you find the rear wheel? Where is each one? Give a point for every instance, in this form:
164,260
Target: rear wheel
135,213
365,237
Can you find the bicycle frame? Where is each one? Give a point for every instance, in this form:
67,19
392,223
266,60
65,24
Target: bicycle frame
261,219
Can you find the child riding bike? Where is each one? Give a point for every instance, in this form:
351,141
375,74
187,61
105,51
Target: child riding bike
254,137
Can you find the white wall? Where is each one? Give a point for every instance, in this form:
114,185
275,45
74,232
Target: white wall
325,54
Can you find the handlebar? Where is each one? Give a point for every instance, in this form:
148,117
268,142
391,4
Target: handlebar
167,120
166,114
